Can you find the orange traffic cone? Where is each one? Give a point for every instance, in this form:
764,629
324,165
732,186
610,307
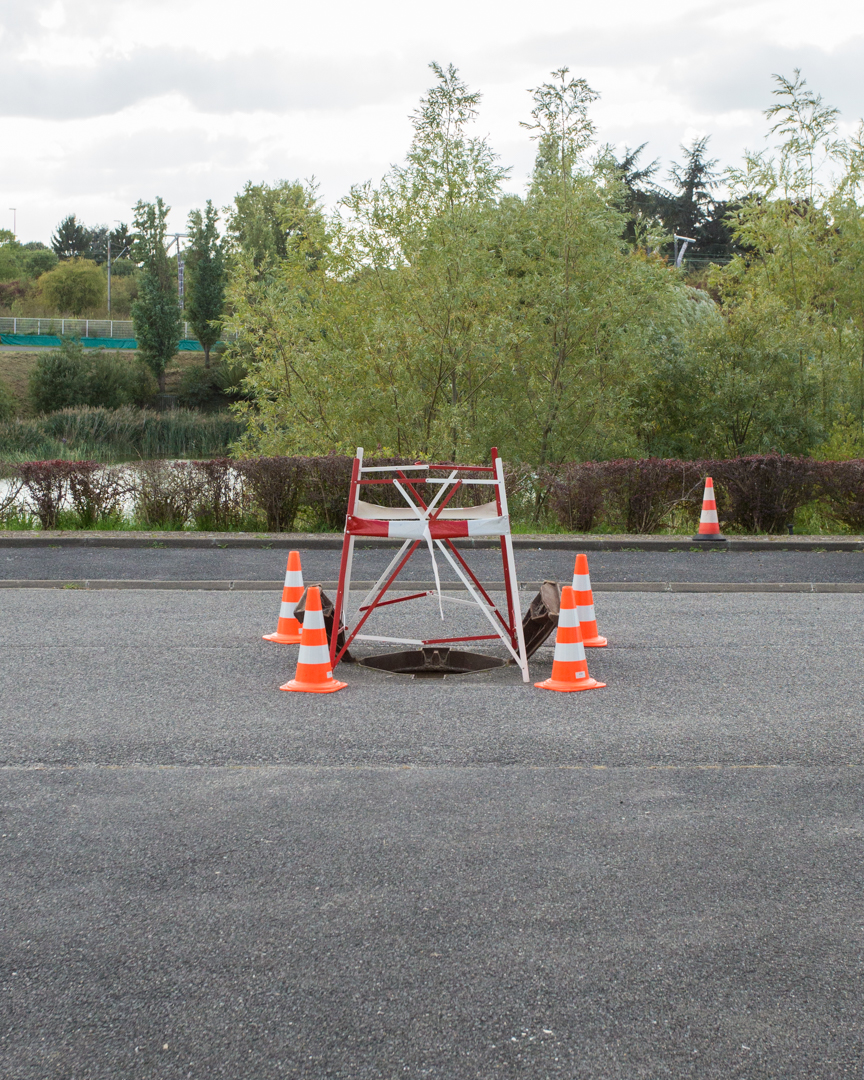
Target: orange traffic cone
569,667
314,674
585,603
288,629
709,526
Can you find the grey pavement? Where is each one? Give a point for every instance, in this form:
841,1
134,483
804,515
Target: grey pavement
203,876
171,564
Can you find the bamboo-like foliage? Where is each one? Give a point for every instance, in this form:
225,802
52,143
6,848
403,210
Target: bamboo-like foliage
438,314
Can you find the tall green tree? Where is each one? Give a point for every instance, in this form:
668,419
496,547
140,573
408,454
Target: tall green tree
420,240
37,258
380,325
206,268
795,263
267,220
695,179
72,239
845,208
294,326
434,313
644,201
156,312
23,262
581,298
10,256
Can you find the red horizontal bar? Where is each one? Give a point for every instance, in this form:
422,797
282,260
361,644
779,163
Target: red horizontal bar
398,600
375,481
447,640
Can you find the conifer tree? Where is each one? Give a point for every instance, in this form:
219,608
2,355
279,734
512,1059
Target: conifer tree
206,264
156,312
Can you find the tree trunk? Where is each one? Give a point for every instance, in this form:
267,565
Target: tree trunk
162,381
206,356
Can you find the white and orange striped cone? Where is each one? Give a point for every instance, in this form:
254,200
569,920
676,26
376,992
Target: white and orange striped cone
585,603
314,674
569,667
288,629
709,525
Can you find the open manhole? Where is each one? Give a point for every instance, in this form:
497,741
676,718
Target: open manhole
433,662
436,661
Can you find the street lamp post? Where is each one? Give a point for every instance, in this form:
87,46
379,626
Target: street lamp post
119,222
686,241
14,210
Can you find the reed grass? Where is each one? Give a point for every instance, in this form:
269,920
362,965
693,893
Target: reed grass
116,435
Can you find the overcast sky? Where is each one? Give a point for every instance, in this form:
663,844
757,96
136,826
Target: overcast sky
103,102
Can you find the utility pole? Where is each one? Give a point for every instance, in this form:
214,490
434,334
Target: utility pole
181,266
126,248
14,210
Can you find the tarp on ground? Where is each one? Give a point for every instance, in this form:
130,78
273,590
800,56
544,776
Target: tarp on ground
43,341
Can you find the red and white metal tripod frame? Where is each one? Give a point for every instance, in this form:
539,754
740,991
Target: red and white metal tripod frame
437,526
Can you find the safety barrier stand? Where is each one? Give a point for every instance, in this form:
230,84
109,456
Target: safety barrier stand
437,524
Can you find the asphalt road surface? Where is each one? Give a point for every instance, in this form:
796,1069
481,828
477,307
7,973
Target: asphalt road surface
172,564
202,876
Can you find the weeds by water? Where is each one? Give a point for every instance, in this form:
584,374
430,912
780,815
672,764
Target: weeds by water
116,435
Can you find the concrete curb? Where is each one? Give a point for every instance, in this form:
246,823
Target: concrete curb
450,586
333,542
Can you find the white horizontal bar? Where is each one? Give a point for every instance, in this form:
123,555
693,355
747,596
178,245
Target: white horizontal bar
391,468
456,600
392,640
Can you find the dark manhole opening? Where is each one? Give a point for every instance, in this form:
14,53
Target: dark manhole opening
433,662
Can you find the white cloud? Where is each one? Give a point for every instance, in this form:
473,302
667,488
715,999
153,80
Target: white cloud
103,102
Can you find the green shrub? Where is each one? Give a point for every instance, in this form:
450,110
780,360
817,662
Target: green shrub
198,389
71,376
60,379
213,387
114,381
74,286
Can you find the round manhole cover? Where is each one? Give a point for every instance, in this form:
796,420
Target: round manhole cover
433,661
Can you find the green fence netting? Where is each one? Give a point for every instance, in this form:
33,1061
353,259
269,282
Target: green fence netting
42,341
